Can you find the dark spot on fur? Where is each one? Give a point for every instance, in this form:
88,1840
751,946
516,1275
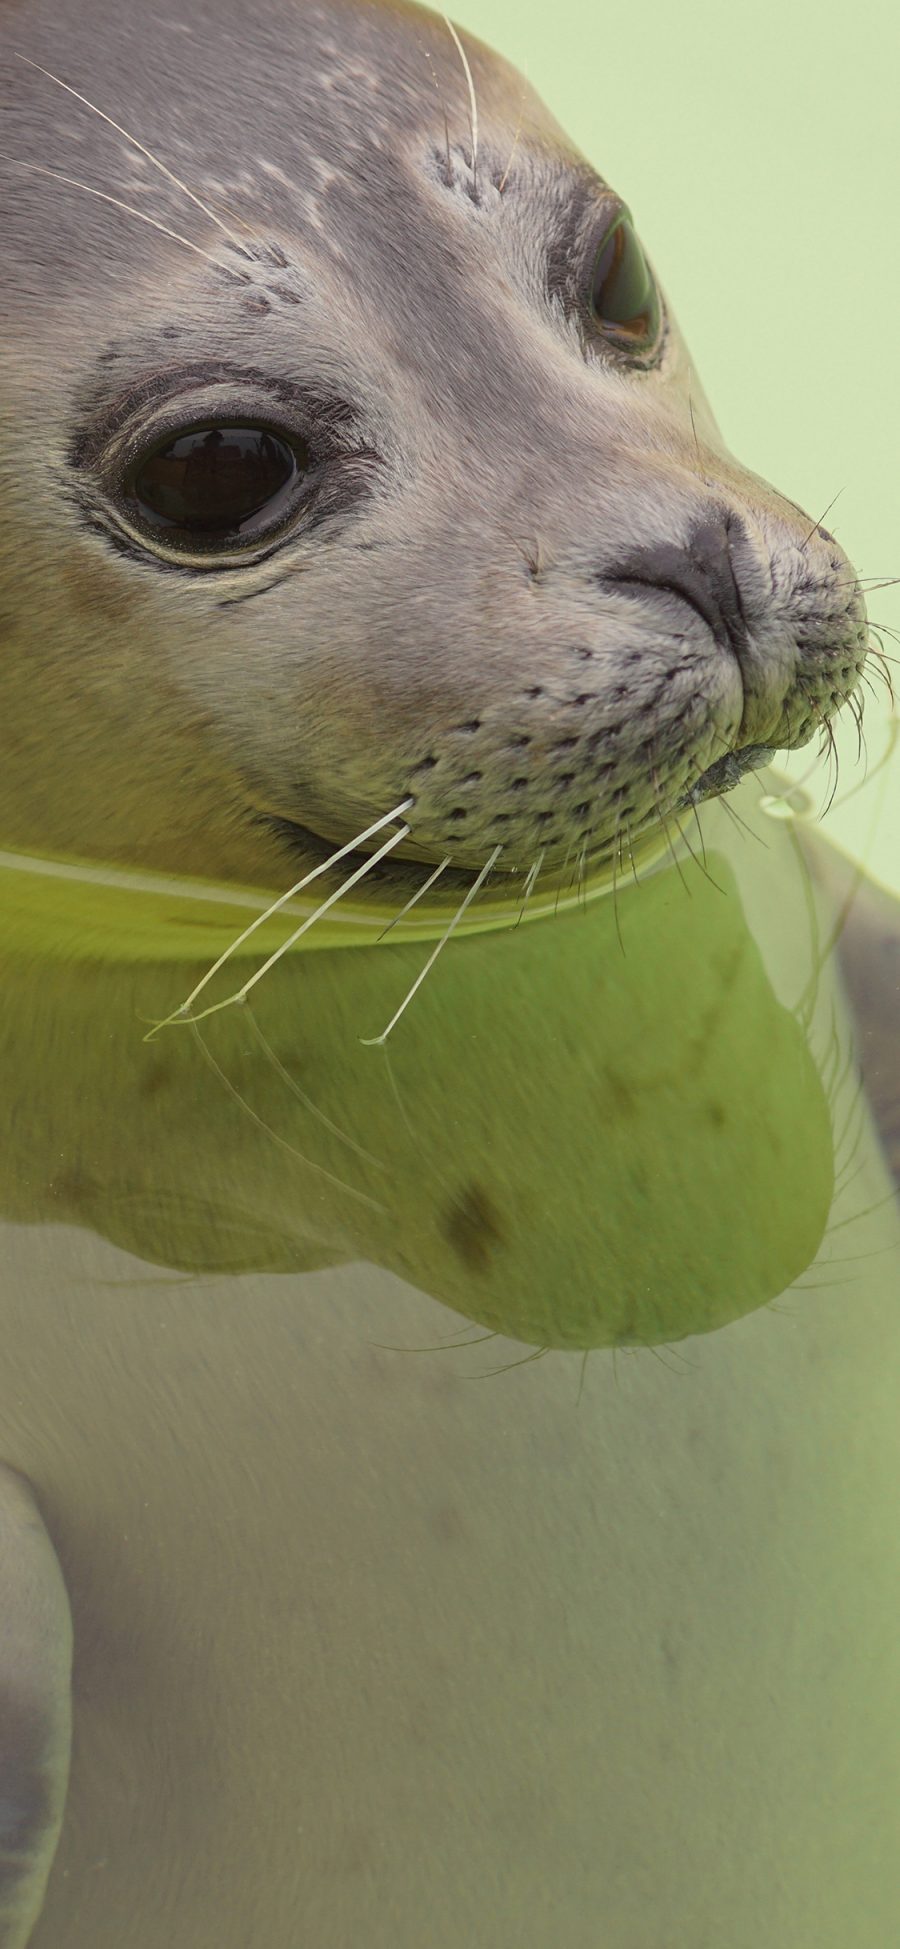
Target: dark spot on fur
472,1227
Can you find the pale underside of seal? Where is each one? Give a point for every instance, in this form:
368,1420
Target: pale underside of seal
505,610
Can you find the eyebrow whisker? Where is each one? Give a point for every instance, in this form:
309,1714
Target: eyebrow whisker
473,105
135,144
74,183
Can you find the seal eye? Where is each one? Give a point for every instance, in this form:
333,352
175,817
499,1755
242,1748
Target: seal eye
623,299
215,481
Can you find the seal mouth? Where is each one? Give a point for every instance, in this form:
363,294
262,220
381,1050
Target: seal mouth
391,886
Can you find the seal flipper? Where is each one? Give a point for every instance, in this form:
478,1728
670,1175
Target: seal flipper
35,1707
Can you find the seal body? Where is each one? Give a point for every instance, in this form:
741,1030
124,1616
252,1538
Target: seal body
356,463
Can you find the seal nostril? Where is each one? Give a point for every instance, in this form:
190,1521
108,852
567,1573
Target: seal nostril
701,574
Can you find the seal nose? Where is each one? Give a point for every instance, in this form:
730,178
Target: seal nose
701,572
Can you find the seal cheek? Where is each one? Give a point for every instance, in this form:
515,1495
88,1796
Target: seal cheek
97,595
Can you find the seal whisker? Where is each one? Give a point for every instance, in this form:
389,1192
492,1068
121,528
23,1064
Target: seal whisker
240,994
581,877
701,864
657,793
696,811
530,884
691,411
473,105
57,176
818,524
616,864
415,896
276,906
440,97
855,707
634,872
827,745
503,180
282,1142
525,1361
375,1041
871,583
894,634
561,873
275,1063
135,144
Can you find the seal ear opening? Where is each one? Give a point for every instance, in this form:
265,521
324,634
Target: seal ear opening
35,1708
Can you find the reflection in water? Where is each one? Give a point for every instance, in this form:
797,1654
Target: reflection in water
340,1618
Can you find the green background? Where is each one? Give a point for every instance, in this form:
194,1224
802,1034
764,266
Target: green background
759,150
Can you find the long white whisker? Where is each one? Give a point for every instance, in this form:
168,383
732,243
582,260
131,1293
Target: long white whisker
240,994
345,886
503,180
473,105
443,109
116,201
373,1041
276,906
582,859
135,144
416,896
530,883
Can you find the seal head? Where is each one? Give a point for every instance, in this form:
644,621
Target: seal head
353,464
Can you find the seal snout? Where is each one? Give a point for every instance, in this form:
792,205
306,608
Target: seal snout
649,681
701,573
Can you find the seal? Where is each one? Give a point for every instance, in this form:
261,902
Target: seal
360,500
362,511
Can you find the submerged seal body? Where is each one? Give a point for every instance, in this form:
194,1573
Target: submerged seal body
353,466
